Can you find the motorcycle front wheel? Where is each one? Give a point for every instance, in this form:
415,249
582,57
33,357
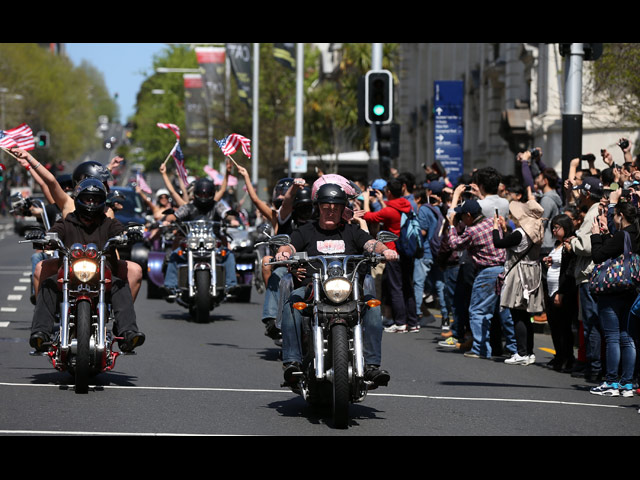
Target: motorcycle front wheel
340,361
82,367
203,299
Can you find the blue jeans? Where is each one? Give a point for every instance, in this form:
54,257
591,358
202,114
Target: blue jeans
291,327
426,274
482,308
620,349
171,275
271,294
592,328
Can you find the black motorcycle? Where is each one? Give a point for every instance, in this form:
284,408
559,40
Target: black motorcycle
333,368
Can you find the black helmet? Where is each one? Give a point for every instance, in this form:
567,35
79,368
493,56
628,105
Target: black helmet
331,193
302,197
90,197
280,189
91,169
203,192
66,181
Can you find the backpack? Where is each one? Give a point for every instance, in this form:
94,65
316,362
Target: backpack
435,241
409,244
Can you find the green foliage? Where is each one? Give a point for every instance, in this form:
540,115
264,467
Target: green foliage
616,74
56,96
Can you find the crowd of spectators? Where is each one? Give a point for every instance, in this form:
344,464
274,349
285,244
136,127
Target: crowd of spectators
502,253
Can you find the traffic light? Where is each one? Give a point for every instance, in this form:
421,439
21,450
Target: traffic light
378,97
388,138
42,139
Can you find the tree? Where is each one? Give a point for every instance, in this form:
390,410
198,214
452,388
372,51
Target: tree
616,76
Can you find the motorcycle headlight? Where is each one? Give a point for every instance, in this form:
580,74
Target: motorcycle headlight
193,243
209,243
337,289
84,270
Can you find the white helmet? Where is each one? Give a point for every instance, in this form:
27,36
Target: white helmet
162,191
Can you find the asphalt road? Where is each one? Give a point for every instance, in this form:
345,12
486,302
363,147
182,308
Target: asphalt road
223,378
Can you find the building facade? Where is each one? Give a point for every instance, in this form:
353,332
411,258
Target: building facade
513,100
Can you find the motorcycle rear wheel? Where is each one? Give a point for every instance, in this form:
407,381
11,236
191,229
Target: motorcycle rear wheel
340,361
82,368
203,298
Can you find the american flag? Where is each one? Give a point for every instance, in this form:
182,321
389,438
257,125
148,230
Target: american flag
170,126
179,158
144,186
21,137
230,144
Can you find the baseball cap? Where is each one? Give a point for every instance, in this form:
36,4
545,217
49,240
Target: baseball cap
469,206
590,184
379,184
435,186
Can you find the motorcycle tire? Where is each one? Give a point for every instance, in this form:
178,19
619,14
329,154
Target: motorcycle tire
340,363
203,299
82,367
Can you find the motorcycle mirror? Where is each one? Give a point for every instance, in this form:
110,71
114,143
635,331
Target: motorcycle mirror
265,229
384,236
280,240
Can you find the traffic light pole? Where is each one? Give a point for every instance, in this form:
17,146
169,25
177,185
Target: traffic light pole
572,115
376,64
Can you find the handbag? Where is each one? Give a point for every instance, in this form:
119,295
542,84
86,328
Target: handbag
502,275
618,274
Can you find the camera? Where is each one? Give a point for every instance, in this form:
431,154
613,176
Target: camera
535,153
624,143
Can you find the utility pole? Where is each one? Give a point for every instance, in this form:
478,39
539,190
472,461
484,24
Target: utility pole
572,115
256,116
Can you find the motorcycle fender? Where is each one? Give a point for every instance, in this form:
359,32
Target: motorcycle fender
154,268
201,266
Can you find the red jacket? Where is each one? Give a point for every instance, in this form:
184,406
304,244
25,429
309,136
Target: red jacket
390,217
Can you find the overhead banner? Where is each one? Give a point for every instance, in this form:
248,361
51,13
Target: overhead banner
284,53
195,110
448,135
242,68
211,61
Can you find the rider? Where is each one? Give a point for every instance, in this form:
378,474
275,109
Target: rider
300,212
329,234
201,207
87,224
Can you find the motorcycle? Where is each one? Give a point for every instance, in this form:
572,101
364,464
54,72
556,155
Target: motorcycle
82,345
333,366
241,242
158,249
21,207
201,285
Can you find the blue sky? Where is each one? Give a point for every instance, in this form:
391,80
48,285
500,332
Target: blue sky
121,64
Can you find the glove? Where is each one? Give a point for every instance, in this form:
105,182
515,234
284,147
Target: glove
34,234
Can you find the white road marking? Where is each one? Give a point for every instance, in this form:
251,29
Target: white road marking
8,309
14,298
19,288
4,324
282,391
24,280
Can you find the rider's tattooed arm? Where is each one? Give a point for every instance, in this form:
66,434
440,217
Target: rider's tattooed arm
374,246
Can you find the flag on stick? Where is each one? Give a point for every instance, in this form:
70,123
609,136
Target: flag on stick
230,144
179,159
21,137
144,186
170,126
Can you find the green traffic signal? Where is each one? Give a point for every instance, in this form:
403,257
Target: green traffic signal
378,110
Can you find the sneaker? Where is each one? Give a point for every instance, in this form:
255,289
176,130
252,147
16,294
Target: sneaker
471,355
414,329
606,390
516,359
396,329
449,342
445,327
626,390
532,359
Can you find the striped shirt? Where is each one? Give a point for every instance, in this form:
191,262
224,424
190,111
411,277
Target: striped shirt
478,240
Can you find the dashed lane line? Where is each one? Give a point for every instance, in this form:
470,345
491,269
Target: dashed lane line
389,395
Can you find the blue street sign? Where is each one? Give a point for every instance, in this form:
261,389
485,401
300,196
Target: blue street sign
448,134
